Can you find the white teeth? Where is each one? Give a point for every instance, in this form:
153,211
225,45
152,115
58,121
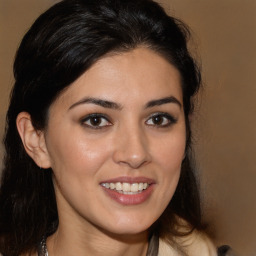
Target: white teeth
135,187
140,186
126,188
119,186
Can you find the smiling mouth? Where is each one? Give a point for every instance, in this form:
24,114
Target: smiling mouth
126,188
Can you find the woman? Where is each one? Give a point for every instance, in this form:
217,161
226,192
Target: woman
98,136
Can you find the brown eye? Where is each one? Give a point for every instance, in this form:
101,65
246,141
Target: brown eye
157,120
161,120
96,121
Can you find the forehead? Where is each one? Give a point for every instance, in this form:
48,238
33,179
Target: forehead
139,74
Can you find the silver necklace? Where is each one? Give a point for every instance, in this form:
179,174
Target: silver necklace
43,248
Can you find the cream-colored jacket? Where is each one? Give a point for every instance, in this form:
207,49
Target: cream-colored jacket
195,244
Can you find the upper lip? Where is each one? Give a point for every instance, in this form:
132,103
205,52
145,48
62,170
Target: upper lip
130,180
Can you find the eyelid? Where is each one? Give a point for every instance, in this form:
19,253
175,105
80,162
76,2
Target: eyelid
95,115
172,120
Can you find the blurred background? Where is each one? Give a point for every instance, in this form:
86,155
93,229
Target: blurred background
224,41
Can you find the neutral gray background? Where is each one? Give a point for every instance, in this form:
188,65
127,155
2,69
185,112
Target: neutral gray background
225,125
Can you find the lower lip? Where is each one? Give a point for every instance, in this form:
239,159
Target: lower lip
130,199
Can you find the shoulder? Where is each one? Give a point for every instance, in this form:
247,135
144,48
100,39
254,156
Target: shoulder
198,243
194,244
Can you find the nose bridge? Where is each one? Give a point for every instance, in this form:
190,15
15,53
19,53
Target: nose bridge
132,146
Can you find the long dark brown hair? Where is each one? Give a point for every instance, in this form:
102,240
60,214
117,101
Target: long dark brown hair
60,46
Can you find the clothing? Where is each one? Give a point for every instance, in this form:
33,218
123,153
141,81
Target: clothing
195,244
202,247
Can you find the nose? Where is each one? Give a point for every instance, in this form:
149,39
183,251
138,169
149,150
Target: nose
132,148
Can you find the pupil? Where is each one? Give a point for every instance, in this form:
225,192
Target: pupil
95,121
158,120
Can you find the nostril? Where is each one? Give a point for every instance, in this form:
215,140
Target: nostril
131,149
134,163
132,159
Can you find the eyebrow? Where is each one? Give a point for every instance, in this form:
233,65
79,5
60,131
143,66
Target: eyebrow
162,101
116,106
99,102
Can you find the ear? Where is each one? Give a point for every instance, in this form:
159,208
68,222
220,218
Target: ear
33,140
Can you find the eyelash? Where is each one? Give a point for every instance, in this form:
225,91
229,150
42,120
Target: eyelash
89,118
164,117
167,118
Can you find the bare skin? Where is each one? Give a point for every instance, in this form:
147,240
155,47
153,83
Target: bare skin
123,119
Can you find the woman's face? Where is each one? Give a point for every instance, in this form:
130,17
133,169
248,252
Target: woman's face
115,140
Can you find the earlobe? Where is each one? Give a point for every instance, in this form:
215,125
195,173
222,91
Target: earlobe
33,140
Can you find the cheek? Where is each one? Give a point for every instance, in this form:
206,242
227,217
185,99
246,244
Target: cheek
169,154
76,157
77,166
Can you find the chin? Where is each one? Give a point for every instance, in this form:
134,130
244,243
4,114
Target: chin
129,226
128,234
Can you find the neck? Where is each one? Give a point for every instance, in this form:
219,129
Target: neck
70,242
76,235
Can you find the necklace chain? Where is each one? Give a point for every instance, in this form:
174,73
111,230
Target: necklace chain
43,248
